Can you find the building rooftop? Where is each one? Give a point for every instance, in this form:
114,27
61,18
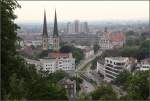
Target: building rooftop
117,37
146,61
59,55
117,58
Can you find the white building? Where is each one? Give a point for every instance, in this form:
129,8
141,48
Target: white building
104,40
51,65
88,52
113,66
145,64
34,62
100,67
37,43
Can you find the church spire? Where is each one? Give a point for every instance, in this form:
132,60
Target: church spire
45,25
55,32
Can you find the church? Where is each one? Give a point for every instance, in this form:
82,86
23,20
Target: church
54,41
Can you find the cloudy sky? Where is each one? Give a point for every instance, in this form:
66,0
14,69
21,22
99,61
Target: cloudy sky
32,11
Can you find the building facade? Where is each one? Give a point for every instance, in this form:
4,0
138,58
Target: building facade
52,65
112,66
104,40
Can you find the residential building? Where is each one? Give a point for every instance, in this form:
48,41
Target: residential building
113,66
52,65
70,86
88,52
100,67
145,64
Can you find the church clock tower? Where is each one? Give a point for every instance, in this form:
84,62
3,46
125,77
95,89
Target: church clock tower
45,34
55,35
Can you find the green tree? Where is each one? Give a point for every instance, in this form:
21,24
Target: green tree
104,92
122,78
77,54
20,80
144,50
66,49
138,86
96,48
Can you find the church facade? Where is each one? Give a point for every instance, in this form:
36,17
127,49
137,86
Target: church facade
50,42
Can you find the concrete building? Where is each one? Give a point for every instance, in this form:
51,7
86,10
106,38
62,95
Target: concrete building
112,66
70,86
52,65
83,27
76,25
108,40
104,40
144,64
88,52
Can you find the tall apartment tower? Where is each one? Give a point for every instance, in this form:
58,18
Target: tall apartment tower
45,34
55,35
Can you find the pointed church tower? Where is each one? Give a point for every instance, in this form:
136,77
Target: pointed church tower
45,34
55,35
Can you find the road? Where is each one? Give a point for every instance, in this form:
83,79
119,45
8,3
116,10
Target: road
84,62
83,71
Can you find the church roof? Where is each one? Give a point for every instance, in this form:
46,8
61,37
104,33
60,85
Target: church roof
45,25
55,32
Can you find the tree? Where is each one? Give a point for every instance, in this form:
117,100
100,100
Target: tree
20,80
144,49
96,48
122,78
138,86
77,54
104,92
66,49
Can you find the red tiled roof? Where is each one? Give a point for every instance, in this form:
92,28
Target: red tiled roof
117,37
58,55
146,61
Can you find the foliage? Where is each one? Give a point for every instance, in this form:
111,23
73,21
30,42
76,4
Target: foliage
129,33
78,82
66,49
144,50
19,80
96,48
122,78
139,52
77,54
104,92
136,85
129,52
94,63
43,54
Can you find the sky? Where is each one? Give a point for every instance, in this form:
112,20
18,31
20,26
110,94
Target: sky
33,11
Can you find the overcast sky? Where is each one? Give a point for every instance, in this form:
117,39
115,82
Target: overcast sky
32,11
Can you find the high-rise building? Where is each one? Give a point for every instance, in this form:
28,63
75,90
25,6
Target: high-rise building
76,23
69,27
45,34
55,35
83,27
86,29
